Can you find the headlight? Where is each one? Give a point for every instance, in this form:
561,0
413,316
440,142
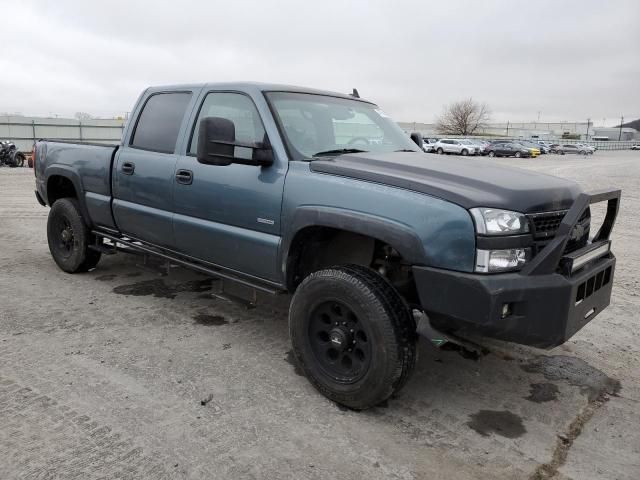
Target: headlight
492,261
491,221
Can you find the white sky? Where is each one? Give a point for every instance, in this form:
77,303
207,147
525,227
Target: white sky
568,60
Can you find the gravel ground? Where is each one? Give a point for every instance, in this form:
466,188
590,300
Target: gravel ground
125,373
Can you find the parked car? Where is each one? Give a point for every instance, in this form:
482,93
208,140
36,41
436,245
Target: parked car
457,146
376,242
508,150
429,144
481,144
576,149
635,146
588,148
556,148
536,149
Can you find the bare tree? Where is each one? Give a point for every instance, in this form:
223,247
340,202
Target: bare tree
463,117
83,116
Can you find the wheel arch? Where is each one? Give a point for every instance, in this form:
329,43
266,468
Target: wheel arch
315,223
63,182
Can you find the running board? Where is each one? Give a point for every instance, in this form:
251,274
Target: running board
214,271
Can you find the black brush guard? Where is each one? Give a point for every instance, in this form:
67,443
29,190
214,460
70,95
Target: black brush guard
544,304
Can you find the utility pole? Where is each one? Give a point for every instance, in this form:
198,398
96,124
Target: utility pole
588,123
507,128
621,122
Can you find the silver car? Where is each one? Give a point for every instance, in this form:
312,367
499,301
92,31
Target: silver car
457,146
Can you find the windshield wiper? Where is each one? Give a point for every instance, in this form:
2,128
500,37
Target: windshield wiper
338,151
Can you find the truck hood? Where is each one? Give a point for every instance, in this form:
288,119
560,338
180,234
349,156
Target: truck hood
467,181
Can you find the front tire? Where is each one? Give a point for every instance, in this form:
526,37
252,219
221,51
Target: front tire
518,155
492,154
440,151
464,152
353,335
69,237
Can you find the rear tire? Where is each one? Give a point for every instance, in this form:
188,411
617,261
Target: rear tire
353,335
19,159
518,155
69,237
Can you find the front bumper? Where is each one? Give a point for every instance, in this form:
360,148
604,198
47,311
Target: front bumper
543,305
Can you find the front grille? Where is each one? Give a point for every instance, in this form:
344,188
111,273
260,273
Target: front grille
545,225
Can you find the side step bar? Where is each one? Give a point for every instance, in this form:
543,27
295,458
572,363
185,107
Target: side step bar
212,270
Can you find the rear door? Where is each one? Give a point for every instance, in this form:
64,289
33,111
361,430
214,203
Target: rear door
143,176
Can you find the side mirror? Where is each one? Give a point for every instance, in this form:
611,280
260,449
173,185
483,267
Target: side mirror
217,144
417,139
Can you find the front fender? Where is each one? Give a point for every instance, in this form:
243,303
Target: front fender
399,236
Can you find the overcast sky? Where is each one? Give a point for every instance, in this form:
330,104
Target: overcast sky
568,60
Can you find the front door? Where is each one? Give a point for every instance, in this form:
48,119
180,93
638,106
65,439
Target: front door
143,175
230,215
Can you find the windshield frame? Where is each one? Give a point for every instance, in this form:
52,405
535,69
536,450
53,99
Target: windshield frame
292,151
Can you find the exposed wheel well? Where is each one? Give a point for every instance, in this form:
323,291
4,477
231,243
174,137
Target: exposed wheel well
59,187
316,248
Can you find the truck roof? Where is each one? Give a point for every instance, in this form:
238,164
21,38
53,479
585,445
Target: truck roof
256,87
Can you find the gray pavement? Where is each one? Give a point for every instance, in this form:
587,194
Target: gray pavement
125,373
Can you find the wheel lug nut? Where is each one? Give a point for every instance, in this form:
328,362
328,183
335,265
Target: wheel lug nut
351,330
354,342
349,350
344,323
337,323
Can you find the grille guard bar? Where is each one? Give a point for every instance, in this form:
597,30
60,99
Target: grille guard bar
548,260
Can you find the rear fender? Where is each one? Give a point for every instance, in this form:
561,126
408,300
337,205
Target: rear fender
70,174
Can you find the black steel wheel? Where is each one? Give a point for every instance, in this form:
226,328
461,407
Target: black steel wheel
339,341
353,335
69,237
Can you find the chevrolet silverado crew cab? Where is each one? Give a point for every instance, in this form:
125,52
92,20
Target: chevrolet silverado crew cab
322,196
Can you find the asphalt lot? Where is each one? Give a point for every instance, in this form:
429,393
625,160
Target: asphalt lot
124,373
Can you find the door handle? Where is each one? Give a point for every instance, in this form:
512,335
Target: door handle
185,177
128,168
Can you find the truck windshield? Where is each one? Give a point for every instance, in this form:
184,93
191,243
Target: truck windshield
321,125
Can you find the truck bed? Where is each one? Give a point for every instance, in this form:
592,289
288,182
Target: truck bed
88,165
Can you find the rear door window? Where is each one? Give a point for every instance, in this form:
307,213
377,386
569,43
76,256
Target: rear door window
159,123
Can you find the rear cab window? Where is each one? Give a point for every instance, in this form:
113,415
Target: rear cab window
159,123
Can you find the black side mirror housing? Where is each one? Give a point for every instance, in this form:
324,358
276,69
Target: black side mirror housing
217,143
417,139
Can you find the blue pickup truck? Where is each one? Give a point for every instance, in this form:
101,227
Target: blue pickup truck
322,196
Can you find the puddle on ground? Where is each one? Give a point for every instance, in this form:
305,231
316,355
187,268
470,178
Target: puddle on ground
291,360
503,423
543,392
576,372
463,351
159,288
106,278
210,320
